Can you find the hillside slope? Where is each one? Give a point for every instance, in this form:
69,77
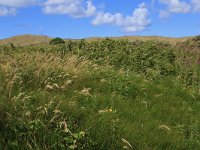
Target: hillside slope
29,39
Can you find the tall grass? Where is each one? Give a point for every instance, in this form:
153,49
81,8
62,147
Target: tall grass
98,95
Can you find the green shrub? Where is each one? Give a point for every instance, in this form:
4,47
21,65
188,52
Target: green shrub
56,41
196,38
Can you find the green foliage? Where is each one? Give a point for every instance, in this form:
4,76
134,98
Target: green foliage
106,94
191,45
56,41
197,38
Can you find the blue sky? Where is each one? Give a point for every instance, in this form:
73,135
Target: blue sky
91,18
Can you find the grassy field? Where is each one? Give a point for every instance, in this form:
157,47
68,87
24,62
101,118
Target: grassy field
104,94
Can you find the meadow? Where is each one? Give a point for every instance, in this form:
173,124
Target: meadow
103,94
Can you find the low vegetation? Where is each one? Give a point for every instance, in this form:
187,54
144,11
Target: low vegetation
56,41
105,94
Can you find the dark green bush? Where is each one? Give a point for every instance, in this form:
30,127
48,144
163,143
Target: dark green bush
56,41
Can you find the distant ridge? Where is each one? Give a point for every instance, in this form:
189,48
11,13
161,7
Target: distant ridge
30,39
27,39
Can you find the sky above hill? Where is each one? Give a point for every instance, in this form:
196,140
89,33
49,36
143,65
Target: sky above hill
89,18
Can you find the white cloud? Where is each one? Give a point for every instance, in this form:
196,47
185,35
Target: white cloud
164,14
138,21
17,3
7,11
9,7
196,5
73,8
177,7
174,6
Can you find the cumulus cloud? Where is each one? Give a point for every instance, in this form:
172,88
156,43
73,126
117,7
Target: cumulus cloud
9,7
178,7
7,11
17,3
174,6
73,8
138,21
164,14
196,5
